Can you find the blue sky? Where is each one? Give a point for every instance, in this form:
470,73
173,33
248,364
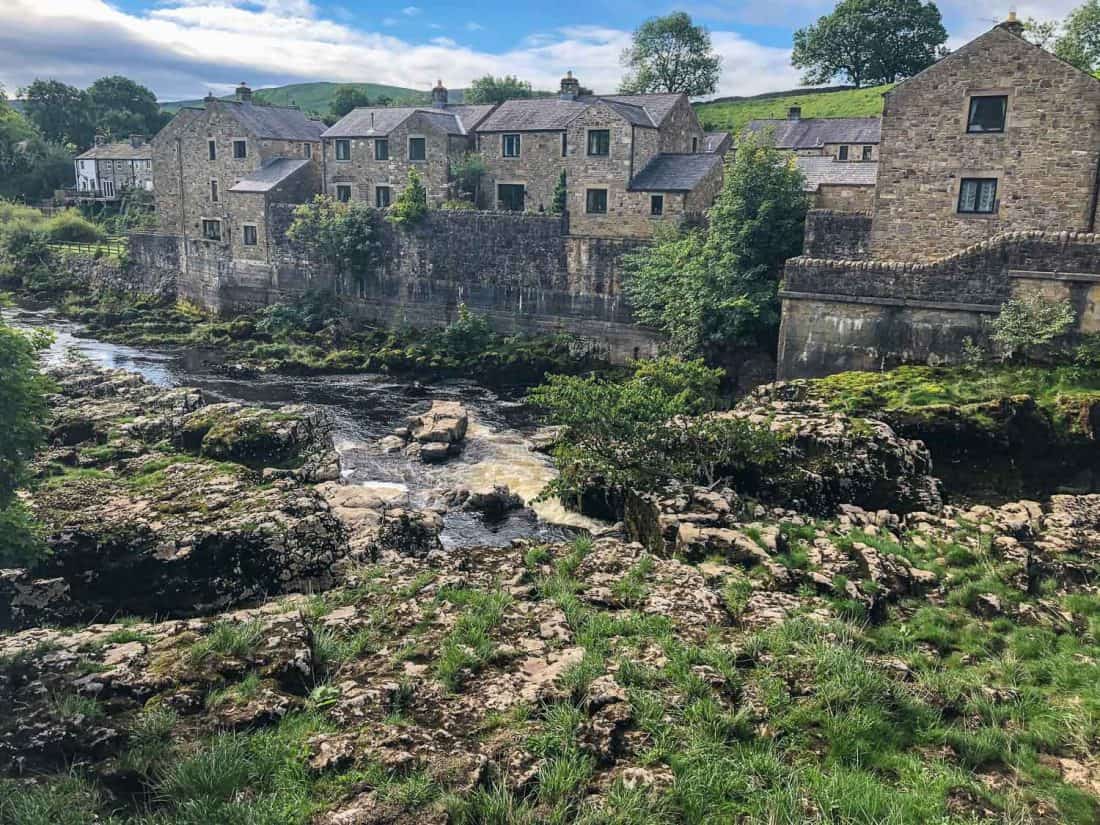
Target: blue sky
182,48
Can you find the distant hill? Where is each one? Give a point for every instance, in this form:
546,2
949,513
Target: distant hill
315,97
732,113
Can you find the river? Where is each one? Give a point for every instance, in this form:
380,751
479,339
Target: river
364,407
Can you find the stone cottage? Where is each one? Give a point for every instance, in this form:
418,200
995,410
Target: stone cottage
998,136
107,169
217,169
630,161
368,153
846,139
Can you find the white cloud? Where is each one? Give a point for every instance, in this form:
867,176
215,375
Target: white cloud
410,11
471,26
182,48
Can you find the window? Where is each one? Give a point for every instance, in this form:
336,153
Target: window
381,149
987,113
595,202
694,144
382,196
417,149
509,146
240,149
842,153
307,150
212,149
868,152
656,204
343,150
510,197
212,230
564,144
978,196
599,142
249,236
214,191
343,192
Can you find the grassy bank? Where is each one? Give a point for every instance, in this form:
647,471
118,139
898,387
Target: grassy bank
732,115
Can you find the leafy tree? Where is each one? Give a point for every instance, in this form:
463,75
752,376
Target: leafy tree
347,98
870,42
489,89
468,334
1028,322
412,204
1079,40
561,194
62,113
670,54
120,107
466,174
716,286
646,430
342,234
1042,33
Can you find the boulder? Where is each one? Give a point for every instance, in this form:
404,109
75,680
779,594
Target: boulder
494,503
445,423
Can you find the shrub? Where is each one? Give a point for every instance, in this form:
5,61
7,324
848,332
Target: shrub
339,233
558,204
1029,321
412,204
468,334
72,227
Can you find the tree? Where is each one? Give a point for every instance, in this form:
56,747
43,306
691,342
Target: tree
870,42
1079,41
120,107
717,286
342,234
62,113
347,98
412,204
1028,322
670,54
30,168
466,174
489,89
561,194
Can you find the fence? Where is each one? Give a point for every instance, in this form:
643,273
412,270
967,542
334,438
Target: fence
108,246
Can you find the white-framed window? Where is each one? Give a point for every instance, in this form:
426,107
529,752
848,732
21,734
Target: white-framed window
248,234
509,146
418,148
343,150
343,192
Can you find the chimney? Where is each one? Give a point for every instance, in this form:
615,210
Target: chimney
439,95
244,94
137,140
100,140
794,113
1012,24
570,87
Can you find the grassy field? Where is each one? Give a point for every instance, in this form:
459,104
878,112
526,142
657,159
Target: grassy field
314,97
732,115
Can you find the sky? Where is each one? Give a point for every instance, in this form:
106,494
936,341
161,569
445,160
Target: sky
185,48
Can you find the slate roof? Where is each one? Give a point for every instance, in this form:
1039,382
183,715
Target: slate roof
118,151
716,141
827,171
815,132
553,113
274,122
381,120
269,176
674,173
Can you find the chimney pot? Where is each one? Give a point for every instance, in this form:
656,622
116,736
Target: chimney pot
244,94
1012,24
100,140
439,95
570,87
794,113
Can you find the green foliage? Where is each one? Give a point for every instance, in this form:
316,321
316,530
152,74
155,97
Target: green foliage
227,638
342,234
466,175
1029,321
62,113
489,89
314,311
717,286
732,115
469,645
70,226
346,98
121,107
30,167
467,334
671,55
870,41
21,543
1079,39
412,204
645,430
561,194
70,801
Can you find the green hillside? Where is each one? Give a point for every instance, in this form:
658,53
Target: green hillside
315,97
732,114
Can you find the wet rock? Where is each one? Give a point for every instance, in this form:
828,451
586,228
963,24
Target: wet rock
493,503
445,422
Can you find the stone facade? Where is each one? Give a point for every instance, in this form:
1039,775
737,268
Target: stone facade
108,169
1044,161
845,198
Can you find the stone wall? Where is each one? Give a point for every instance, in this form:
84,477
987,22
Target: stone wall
1045,161
869,314
845,197
830,234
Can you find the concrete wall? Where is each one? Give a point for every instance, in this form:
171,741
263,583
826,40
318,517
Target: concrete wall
871,315
1045,160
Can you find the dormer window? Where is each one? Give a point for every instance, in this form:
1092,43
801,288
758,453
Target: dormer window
987,113
842,153
867,152
509,146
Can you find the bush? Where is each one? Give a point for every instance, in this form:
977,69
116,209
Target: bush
1028,322
72,227
412,204
12,212
339,233
468,334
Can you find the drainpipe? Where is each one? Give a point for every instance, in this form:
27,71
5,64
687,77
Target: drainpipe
1095,196
183,204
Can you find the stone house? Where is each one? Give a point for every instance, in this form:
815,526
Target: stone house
836,185
998,136
846,139
368,153
217,169
630,161
107,169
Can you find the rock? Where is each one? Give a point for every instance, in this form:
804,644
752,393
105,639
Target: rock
493,503
445,423
391,444
434,452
